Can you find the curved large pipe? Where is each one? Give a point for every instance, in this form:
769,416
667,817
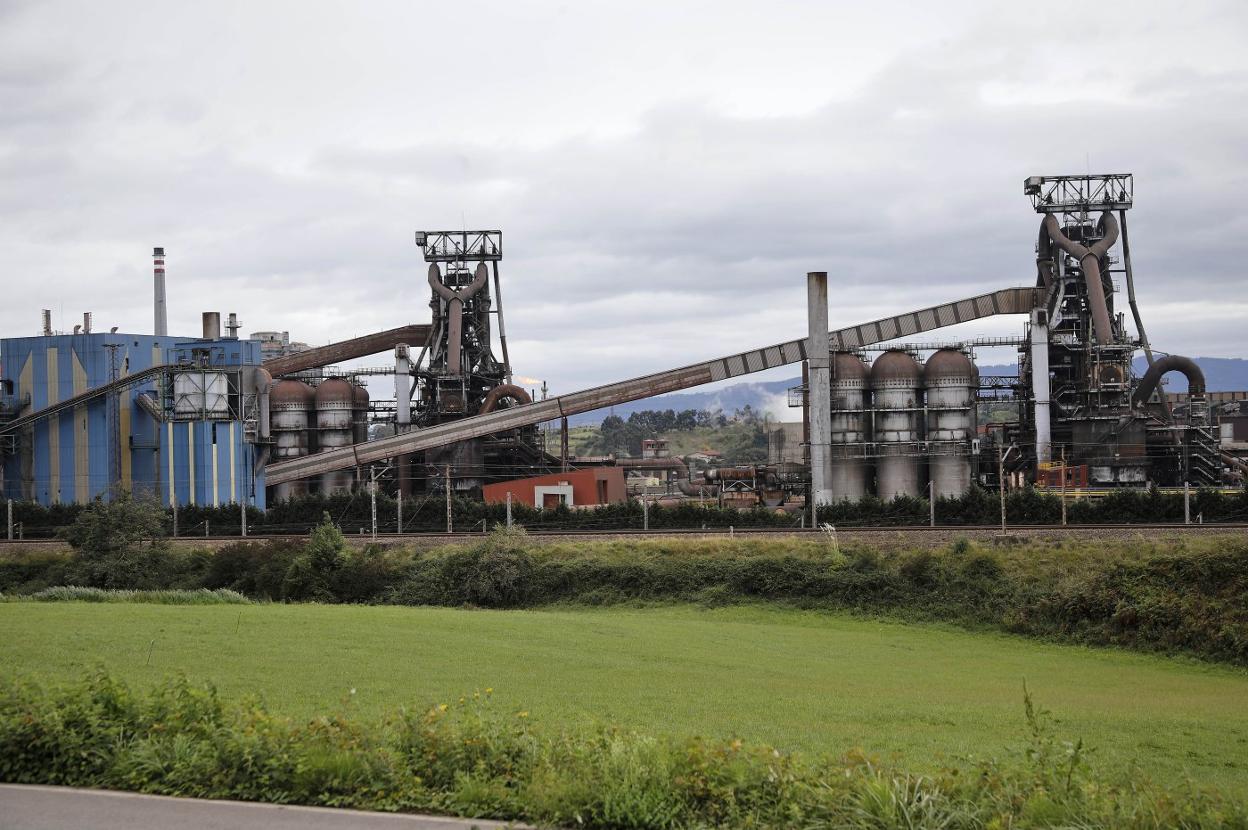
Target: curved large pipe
1044,257
1171,363
1090,261
498,393
455,310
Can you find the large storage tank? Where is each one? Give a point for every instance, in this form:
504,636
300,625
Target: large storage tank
896,402
950,380
359,413
290,402
335,407
849,427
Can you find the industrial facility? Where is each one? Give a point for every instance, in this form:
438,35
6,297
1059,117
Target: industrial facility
218,419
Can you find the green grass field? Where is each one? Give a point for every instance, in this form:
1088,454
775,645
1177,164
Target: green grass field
916,694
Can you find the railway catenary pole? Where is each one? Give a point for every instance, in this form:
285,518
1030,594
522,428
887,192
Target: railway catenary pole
1063,486
931,504
450,521
1001,482
508,508
242,517
9,510
399,513
372,496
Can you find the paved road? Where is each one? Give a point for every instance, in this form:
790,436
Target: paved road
24,807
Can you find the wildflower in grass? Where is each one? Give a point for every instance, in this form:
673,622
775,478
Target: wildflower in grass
442,707
522,714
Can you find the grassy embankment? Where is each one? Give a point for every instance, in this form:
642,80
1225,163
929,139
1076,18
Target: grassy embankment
918,696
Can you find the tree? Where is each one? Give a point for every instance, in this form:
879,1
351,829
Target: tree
118,544
112,528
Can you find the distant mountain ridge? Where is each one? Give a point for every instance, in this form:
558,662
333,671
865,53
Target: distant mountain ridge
1222,374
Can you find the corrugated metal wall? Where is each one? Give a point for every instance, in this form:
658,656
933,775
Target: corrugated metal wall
65,457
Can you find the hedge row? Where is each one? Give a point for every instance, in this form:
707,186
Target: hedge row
1129,594
977,507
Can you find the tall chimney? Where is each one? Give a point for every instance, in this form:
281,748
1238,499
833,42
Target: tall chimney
47,322
212,325
232,326
819,390
86,322
158,263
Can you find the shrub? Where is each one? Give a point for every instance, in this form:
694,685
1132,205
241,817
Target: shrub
469,758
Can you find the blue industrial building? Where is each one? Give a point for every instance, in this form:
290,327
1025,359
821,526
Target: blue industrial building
179,422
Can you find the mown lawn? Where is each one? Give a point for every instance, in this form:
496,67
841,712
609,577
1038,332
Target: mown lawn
797,680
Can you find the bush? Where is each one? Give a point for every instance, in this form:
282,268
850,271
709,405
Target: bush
471,759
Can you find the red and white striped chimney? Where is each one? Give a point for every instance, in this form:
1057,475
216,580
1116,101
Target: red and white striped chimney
162,323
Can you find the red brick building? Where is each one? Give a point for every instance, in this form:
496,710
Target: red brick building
576,488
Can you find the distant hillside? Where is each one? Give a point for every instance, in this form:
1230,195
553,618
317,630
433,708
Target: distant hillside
1221,374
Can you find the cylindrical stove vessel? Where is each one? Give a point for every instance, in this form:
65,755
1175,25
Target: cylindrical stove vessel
334,414
950,380
359,413
290,401
849,431
896,402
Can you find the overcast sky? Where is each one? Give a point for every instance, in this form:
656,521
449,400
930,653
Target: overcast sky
664,173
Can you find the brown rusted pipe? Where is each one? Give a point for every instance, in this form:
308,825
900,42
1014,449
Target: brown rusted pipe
1170,363
1090,261
503,390
455,310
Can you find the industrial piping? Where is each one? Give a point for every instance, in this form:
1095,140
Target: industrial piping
1090,261
1171,363
455,310
504,391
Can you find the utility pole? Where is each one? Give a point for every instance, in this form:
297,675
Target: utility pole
399,506
1001,482
450,521
10,521
931,504
508,508
242,512
372,496
207,528
1187,503
645,513
1063,486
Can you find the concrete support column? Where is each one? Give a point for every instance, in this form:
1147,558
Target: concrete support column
819,393
403,415
1040,383
403,386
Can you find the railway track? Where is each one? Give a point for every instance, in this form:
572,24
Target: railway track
895,531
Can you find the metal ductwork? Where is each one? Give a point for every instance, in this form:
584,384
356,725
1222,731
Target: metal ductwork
1171,363
504,391
1090,261
455,310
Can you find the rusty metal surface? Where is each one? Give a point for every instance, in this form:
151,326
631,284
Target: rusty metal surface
347,349
1006,301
